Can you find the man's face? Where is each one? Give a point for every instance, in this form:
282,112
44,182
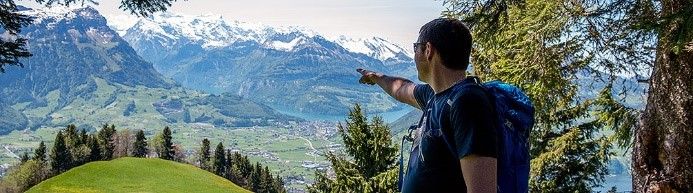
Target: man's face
420,60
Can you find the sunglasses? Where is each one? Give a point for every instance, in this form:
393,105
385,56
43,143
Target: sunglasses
417,44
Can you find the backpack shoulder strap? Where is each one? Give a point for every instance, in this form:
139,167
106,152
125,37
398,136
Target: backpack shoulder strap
476,83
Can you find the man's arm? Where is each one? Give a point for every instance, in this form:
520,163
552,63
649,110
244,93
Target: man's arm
399,88
479,173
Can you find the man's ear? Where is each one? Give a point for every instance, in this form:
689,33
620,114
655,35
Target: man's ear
429,51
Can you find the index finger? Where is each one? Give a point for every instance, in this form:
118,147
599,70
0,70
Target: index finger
362,71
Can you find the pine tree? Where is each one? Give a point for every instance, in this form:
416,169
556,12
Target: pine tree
167,151
61,159
229,165
105,139
235,174
204,155
256,180
278,184
72,138
94,147
268,181
83,136
140,145
12,22
246,170
40,153
363,143
219,165
547,48
24,158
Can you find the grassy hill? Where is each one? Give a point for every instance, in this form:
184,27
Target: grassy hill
136,175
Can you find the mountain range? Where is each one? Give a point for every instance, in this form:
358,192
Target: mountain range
287,68
83,72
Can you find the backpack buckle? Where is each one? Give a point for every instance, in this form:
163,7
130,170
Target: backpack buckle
476,79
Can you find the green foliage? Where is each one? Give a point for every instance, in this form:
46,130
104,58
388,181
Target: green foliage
72,139
204,155
105,140
370,166
256,180
569,164
544,47
617,116
40,153
219,164
61,158
238,169
77,146
94,147
107,176
140,145
228,165
22,177
24,157
12,49
166,150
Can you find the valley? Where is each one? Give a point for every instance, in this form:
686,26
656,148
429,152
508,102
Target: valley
274,94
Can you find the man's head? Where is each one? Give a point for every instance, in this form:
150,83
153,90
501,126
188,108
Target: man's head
445,41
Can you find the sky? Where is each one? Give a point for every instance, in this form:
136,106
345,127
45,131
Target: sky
397,21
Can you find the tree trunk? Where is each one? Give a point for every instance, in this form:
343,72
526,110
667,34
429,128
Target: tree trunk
663,152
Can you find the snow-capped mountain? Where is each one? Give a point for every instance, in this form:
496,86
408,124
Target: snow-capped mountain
215,32
290,68
374,47
83,72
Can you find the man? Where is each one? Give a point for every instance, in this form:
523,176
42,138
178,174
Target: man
455,146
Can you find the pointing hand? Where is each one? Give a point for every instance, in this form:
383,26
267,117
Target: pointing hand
368,77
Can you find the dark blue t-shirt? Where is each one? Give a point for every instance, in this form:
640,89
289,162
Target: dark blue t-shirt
464,115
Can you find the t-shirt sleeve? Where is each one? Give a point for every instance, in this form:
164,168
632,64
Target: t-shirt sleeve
472,118
422,93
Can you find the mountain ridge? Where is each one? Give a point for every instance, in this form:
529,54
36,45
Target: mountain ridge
284,68
82,72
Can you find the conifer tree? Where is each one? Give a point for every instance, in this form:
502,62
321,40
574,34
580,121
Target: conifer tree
105,139
648,40
40,153
204,155
83,136
278,184
246,170
94,147
219,165
61,159
76,145
71,137
24,157
140,145
373,154
229,165
235,174
268,180
256,179
167,151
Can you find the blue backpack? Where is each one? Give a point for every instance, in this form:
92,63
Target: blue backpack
515,119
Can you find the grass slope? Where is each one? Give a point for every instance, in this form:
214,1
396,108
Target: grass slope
136,175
